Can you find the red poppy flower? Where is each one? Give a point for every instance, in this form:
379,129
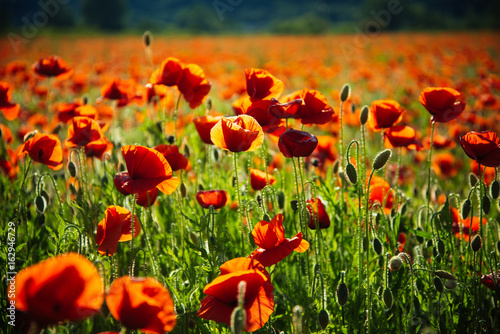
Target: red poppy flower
215,198
489,280
222,294
84,131
288,109
317,213
148,198
273,246
146,169
237,134
262,85
6,134
401,241
44,148
380,192
402,136
294,143
169,72
9,109
114,228
258,109
446,165
171,153
441,103
66,111
315,108
52,66
193,85
141,303
117,89
203,125
325,151
465,229
258,179
384,114
63,288
484,147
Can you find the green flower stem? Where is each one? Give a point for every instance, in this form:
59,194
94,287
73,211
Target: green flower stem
131,268
240,204
148,245
175,117
429,168
367,255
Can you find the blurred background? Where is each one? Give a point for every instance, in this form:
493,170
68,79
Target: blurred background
244,16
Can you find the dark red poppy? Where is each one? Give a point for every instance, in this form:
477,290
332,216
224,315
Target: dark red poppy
262,85
489,281
114,228
273,246
169,72
222,294
237,134
141,303
203,125
384,114
402,136
193,85
464,229
294,143
288,109
441,103
52,66
258,179
484,147
44,148
215,198
62,288
314,109
171,153
146,169
147,198
9,109
317,213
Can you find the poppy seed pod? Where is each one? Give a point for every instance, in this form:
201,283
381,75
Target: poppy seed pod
146,38
476,243
444,274
351,173
381,159
363,115
323,319
395,263
345,93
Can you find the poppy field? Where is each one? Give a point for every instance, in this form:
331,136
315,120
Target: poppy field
268,184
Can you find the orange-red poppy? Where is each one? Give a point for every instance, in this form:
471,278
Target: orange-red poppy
84,131
148,198
204,125
237,134
325,151
464,229
216,198
117,89
63,288
441,103
52,66
222,294
262,85
258,109
258,179
193,85
9,109
114,228
273,246
314,109
484,147
402,136
6,134
317,214
146,169
169,72
384,114
66,110
380,192
44,148
295,143
141,303
171,153
446,165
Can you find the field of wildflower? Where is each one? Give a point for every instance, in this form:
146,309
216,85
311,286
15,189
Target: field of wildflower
268,184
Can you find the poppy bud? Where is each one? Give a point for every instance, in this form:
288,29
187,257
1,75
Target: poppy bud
183,190
40,219
495,189
498,246
215,154
323,318
387,297
72,168
395,263
473,179
45,195
363,116
193,238
404,208
450,285
187,151
420,239
346,93
438,284
381,159
209,103
466,208
476,243
57,129
440,246
486,205
266,218
429,243
146,38
297,318
377,246
444,274
40,204
29,135
238,320
438,258
104,180
351,173
342,294
295,205
378,219
281,200
170,139
365,243
336,167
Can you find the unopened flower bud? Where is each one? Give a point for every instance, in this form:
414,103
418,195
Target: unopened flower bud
342,294
395,263
351,173
363,116
381,159
387,297
495,189
466,208
323,319
476,243
346,93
